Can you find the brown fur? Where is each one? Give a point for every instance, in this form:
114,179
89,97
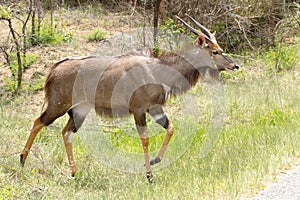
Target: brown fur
133,83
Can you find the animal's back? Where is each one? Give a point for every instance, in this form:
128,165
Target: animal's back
72,76
74,80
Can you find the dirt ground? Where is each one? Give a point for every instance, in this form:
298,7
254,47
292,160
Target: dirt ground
78,22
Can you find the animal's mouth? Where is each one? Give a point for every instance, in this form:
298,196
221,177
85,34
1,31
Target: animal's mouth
234,68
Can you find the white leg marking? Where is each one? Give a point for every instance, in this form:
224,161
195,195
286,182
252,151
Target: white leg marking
69,135
158,116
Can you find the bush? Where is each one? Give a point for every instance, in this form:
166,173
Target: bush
47,35
282,57
96,36
11,83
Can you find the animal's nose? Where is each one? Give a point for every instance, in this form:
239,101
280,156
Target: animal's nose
236,67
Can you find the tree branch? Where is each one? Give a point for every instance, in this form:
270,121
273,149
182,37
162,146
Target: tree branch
20,71
155,25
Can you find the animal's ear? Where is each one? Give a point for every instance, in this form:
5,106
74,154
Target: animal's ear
201,40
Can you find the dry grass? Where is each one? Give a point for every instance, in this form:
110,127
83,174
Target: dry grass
260,136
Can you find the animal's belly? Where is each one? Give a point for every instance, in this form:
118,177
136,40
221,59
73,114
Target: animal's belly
112,112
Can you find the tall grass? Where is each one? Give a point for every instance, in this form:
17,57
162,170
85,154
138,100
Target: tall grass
260,137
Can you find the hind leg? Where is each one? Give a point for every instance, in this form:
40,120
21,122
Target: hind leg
45,119
37,126
77,116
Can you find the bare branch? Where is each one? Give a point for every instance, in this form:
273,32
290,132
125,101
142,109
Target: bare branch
24,33
155,25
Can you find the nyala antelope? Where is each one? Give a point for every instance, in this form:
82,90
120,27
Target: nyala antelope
135,83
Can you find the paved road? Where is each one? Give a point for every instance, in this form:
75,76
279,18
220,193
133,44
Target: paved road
286,188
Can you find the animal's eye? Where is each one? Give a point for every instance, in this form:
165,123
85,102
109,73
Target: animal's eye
215,52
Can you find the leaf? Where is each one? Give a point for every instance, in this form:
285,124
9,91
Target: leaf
5,13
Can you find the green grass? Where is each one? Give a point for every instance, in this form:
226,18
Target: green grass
48,34
286,55
260,137
96,36
11,81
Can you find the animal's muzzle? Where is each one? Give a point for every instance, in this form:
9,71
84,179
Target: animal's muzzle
236,67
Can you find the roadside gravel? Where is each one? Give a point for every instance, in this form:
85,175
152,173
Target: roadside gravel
286,188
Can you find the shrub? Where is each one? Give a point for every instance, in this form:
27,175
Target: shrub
96,36
282,57
48,35
11,83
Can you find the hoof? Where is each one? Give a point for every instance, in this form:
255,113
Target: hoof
155,160
22,161
150,178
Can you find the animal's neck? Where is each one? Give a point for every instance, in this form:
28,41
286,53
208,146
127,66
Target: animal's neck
189,72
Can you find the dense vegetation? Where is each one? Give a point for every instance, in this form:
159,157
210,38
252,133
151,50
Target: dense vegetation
260,104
